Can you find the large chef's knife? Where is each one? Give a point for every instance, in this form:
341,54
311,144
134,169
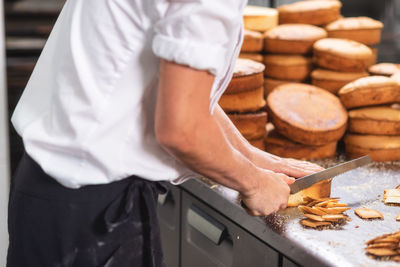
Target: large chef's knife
309,180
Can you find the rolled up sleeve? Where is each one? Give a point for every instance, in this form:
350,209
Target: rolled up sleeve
199,33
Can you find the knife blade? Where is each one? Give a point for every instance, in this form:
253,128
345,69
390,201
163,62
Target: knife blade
309,180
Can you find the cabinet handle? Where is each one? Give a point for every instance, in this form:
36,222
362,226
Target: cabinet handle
162,198
205,224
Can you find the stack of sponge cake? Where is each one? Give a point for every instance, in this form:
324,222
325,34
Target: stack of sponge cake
374,124
244,102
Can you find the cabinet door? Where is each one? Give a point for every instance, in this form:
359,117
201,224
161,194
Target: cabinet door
288,263
169,218
209,239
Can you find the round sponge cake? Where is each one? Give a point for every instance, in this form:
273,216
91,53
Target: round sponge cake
370,91
342,55
292,38
250,125
334,80
378,147
279,145
287,67
361,29
307,114
386,69
252,41
247,75
375,120
310,12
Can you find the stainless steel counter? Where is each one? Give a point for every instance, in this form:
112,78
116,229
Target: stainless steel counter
343,246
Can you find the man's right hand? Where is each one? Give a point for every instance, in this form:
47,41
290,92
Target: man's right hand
270,195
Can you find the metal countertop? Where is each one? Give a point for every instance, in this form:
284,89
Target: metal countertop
342,246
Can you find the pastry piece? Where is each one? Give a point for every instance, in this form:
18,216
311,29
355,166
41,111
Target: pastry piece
292,38
396,77
319,190
310,12
287,67
375,120
334,80
247,101
385,247
365,213
258,143
361,29
250,125
270,84
368,91
386,69
379,147
318,211
342,55
252,56
261,19
252,42
314,224
307,114
398,217
247,76
279,145
391,196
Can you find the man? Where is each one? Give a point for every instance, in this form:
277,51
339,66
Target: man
123,96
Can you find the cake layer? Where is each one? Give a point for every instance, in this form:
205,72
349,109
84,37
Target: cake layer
386,69
317,191
252,56
287,67
247,101
307,114
292,38
310,12
369,91
342,55
380,148
375,121
334,80
361,29
250,125
279,145
247,75
260,19
252,42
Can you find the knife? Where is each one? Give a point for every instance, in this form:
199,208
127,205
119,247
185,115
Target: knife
309,180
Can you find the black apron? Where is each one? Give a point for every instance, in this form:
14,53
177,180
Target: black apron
111,225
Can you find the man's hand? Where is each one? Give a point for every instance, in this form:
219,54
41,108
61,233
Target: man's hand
271,194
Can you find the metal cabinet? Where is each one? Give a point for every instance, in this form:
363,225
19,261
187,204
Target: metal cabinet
169,218
288,263
209,239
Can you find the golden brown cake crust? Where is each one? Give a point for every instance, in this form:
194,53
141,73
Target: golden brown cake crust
260,19
342,55
375,121
281,146
307,12
292,38
319,190
386,69
307,114
380,148
252,41
247,101
247,75
369,91
245,83
287,67
361,29
250,125
334,80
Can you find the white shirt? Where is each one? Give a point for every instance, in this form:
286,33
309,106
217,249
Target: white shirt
87,113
